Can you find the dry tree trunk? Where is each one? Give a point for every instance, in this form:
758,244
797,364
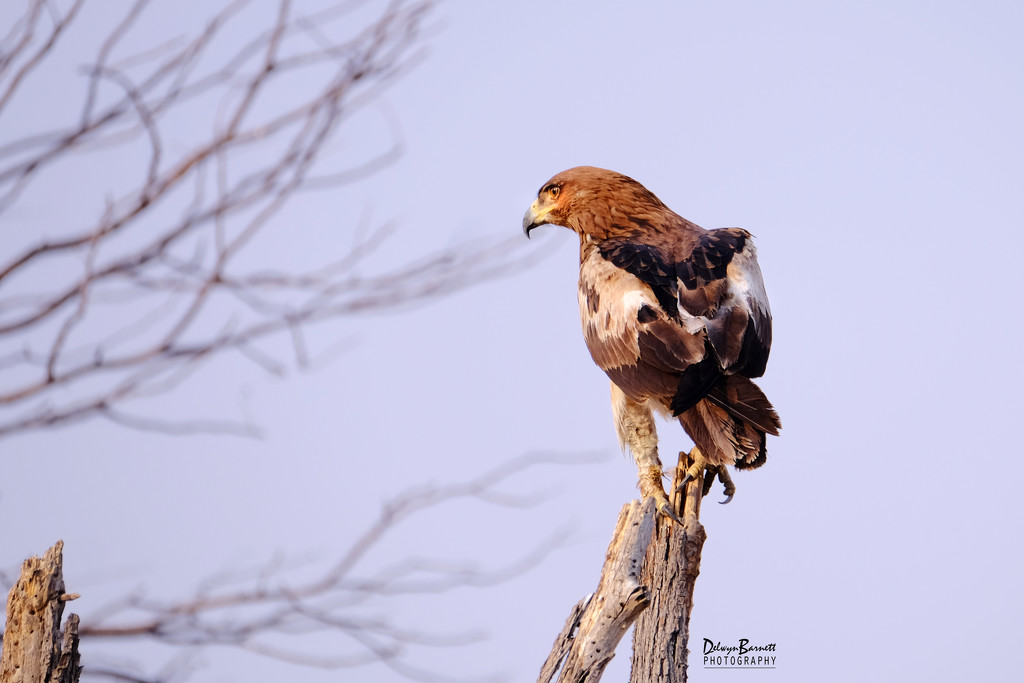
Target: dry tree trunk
34,649
648,577
670,571
598,622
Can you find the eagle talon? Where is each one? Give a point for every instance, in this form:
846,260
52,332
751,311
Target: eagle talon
699,465
666,509
650,487
710,472
730,488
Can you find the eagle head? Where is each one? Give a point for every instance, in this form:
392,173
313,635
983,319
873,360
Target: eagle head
592,201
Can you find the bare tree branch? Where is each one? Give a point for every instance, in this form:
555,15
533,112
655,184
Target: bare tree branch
132,294
165,276
31,19
261,609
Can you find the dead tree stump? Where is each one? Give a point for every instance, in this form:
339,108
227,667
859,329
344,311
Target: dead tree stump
597,622
34,648
662,632
648,577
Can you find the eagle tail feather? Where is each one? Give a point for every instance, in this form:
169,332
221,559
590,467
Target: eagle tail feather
745,401
729,425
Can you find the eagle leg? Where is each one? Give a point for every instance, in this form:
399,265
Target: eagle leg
634,424
700,463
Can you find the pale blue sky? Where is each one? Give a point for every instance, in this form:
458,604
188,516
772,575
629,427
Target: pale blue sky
873,148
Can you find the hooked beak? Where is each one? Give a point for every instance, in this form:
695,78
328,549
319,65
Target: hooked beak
534,217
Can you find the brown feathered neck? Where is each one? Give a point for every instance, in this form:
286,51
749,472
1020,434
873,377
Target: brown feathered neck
602,204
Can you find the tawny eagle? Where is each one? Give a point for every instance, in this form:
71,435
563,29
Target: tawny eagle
676,315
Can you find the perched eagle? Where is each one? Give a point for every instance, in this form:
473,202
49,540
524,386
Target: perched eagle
676,315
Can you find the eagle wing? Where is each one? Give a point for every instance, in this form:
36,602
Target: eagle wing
644,349
708,313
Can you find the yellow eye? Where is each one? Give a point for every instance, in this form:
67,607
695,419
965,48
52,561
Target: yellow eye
553,190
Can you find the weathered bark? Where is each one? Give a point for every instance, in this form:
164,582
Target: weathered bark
34,649
597,622
670,571
648,577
